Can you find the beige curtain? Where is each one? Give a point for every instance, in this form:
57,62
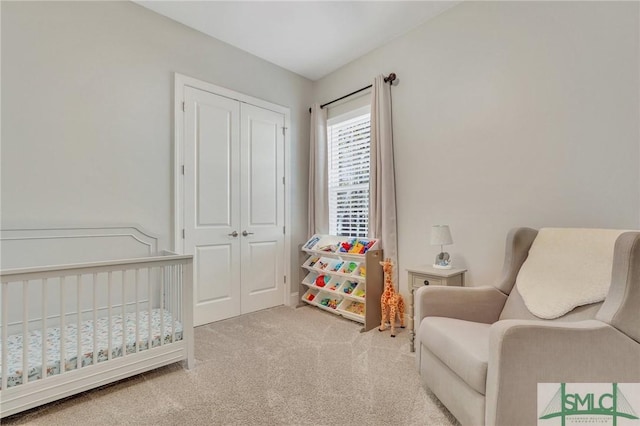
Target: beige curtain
318,170
382,186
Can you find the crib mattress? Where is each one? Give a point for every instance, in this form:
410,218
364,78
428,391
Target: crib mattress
15,343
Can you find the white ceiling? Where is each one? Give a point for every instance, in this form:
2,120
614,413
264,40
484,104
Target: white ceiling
310,38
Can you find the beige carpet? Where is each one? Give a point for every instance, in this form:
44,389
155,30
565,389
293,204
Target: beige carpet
281,366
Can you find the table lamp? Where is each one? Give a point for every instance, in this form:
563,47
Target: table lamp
441,236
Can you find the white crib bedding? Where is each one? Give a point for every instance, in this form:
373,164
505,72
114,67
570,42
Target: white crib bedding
15,344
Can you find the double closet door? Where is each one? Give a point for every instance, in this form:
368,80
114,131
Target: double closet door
233,205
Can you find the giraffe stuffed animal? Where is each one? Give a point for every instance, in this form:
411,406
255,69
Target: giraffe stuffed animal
392,302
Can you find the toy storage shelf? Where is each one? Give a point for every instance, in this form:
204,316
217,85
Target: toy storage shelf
342,282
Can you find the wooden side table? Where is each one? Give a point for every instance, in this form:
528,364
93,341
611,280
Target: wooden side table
428,275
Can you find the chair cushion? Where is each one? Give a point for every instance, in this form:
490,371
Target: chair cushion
463,346
566,268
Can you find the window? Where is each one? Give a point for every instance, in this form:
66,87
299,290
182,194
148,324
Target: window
348,138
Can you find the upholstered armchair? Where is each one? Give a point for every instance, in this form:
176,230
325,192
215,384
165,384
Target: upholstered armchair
482,351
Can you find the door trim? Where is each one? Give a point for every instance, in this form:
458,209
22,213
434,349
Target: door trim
180,82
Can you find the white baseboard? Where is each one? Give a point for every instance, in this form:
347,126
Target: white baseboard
294,298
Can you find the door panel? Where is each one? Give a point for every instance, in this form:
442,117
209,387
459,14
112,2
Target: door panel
216,296
262,208
261,256
263,172
212,203
213,156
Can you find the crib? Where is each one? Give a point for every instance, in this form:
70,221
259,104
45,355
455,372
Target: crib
125,307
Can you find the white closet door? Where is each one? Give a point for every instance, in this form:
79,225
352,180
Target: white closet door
262,208
212,203
233,205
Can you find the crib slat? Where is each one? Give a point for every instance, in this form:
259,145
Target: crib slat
137,312
109,283
171,300
178,311
179,307
25,332
182,313
150,309
163,282
44,329
5,319
124,317
95,319
63,328
79,330
174,300
180,291
172,297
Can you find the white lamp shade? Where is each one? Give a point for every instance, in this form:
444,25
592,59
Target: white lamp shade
441,235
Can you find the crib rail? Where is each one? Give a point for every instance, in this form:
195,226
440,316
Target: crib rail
103,266
65,318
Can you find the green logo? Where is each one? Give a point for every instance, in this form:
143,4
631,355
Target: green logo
613,404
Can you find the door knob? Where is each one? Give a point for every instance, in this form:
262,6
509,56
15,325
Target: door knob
233,234
245,233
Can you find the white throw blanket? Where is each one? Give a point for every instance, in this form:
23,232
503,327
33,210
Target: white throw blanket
566,268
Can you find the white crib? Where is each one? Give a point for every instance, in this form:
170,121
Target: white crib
71,327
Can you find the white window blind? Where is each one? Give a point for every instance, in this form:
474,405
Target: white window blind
349,147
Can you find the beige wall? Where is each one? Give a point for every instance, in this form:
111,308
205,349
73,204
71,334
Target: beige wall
509,114
87,92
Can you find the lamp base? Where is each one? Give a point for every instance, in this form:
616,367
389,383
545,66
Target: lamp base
436,266
443,261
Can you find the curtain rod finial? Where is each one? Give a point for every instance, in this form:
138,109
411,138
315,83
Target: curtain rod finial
391,78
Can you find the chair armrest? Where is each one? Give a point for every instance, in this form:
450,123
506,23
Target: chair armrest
478,304
620,308
525,353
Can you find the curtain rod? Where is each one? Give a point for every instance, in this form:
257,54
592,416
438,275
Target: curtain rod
390,79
